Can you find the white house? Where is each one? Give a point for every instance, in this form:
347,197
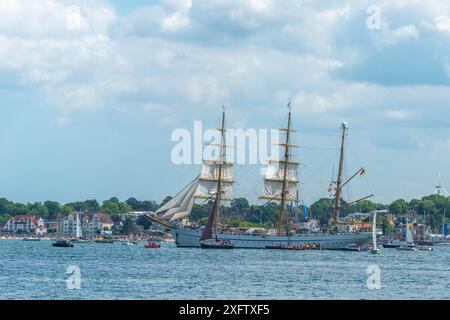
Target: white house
28,224
92,224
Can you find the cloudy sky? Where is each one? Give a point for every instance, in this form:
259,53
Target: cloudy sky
90,91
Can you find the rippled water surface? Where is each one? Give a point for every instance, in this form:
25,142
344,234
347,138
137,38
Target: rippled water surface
36,270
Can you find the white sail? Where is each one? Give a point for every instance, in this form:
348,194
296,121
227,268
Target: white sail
78,232
275,172
409,237
273,184
180,205
186,206
208,190
210,172
374,231
208,181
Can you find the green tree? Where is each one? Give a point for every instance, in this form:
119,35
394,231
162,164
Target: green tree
113,206
427,206
144,221
53,208
125,208
91,205
5,205
322,210
129,227
134,204
398,207
240,204
200,211
4,218
38,209
77,206
65,209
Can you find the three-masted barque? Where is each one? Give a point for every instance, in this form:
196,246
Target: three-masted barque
215,183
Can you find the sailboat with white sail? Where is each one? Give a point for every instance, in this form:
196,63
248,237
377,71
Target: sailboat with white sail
408,245
375,249
215,183
78,230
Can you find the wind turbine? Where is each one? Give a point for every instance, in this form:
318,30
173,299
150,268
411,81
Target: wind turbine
440,189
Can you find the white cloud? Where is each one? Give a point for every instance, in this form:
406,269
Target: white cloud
178,20
173,61
197,55
175,22
64,50
53,18
389,37
178,5
318,104
398,114
405,32
440,23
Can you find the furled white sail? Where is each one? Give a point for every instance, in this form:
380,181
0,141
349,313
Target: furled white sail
208,190
210,172
208,181
181,205
275,172
273,184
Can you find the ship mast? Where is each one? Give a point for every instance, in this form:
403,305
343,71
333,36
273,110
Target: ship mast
215,175
285,170
222,160
337,198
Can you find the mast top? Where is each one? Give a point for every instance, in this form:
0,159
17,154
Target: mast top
289,105
344,125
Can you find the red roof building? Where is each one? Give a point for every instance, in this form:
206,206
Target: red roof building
28,224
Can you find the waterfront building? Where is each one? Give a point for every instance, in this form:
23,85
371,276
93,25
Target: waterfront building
311,225
52,226
92,224
26,224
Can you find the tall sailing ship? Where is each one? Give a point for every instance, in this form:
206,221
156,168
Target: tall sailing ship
280,185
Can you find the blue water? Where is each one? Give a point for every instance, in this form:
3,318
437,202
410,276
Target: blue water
36,270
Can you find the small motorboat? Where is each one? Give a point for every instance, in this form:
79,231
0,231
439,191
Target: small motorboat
296,248
394,244
168,239
152,245
63,244
407,248
277,247
351,247
443,243
216,244
312,246
31,239
103,240
375,251
424,248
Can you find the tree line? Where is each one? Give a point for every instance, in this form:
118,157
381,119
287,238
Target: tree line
49,210
238,213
